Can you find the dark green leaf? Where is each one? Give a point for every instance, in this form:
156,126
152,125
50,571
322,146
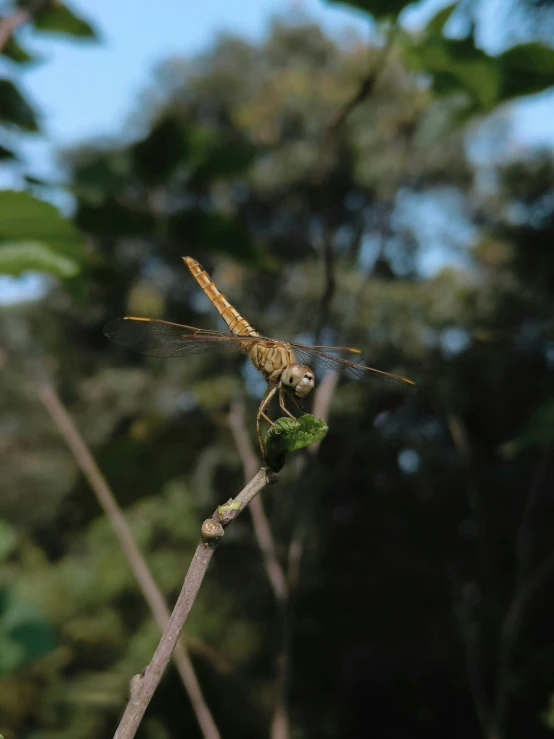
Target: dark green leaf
57,18
14,109
35,180
525,69
8,539
223,159
24,634
158,155
113,219
537,432
105,173
6,153
12,50
215,231
378,8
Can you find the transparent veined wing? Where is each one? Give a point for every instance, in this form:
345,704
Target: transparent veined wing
157,338
317,358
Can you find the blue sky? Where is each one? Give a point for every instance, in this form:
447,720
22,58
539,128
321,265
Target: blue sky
83,90
86,90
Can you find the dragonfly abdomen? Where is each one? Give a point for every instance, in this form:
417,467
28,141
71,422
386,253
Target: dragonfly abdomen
236,323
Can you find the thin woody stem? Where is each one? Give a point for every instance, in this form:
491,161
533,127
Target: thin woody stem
212,530
262,529
137,563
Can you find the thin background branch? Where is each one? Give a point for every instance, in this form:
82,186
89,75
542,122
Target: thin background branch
262,529
280,726
11,23
365,89
137,563
144,686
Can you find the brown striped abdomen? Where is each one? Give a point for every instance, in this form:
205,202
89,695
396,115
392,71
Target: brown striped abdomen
237,324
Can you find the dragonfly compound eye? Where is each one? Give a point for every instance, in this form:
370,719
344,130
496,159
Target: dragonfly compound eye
299,378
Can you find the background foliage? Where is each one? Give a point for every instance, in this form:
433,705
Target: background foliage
425,597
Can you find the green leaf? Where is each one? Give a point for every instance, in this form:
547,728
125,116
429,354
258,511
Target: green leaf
455,66
537,432
57,18
12,50
104,173
26,219
112,219
34,236
32,255
212,158
289,434
378,8
24,634
14,109
440,19
293,434
214,231
161,152
6,154
8,539
525,69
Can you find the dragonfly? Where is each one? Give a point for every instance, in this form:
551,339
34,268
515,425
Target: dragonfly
285,365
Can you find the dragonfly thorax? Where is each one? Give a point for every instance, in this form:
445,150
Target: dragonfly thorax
299,378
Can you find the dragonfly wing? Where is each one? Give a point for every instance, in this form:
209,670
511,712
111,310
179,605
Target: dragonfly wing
163,339
316,358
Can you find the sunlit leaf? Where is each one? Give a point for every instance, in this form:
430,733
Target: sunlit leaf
27,220
293,434
32,255
456,65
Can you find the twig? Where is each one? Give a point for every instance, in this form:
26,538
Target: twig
524,538
11,23
136,561
262,529
365,88
472,651
212,531
510,629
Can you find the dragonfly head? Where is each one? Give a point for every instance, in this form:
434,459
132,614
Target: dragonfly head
299,378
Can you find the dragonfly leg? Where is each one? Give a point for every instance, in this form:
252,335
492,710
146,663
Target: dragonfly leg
297,402
264,405
282,403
